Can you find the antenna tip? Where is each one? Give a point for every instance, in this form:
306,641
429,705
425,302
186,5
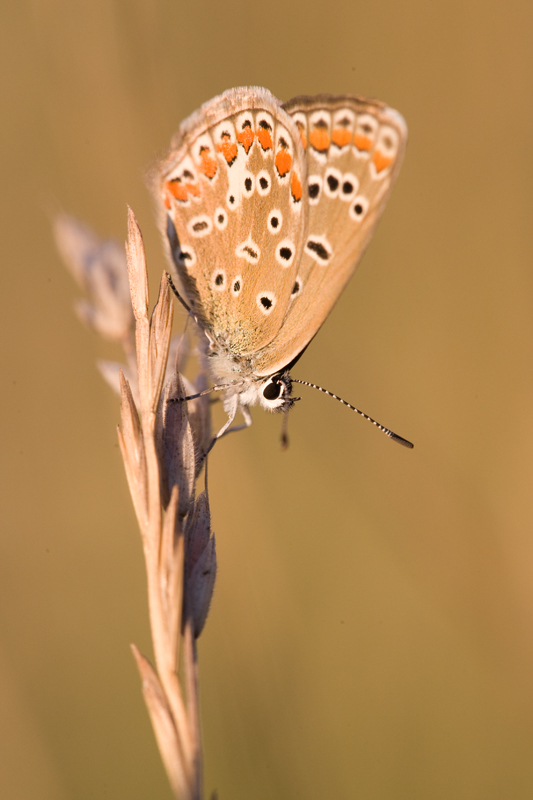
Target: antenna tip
401,440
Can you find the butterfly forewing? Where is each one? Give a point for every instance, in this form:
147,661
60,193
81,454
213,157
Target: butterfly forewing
354,150
233,191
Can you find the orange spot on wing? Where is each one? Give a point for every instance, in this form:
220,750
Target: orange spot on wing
265,138
362,142
181,191
193,188
283,161
341,137
381,161
246,138
208,165
178,190
319,139
296,187
228,149
167,202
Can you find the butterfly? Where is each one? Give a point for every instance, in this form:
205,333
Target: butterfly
268,208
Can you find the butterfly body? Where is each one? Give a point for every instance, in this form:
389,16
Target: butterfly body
268,208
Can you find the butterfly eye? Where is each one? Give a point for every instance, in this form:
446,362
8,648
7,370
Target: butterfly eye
273,390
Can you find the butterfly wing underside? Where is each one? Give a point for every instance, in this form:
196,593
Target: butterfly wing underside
236,216
354,149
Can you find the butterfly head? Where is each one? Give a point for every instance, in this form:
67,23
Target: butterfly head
275,393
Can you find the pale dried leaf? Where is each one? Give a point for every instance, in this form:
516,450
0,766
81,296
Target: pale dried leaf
110,371
165,730
160,332
138,278
132,446
99,267
137,273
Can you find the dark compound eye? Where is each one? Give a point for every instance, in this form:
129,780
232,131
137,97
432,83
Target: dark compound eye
273,390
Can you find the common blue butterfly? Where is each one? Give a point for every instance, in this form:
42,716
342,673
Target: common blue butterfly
268,208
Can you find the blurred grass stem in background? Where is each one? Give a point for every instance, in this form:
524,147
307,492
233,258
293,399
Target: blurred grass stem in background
162,447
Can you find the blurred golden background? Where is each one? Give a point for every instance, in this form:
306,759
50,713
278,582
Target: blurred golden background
371,633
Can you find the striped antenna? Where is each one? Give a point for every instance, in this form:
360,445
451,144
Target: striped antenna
386,431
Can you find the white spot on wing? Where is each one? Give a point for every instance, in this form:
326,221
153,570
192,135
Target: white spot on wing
332,182
236,285
249,251
319,249
275,221
266,302
285,252
218,280
314,189
263,183
221,218
199,226
359,208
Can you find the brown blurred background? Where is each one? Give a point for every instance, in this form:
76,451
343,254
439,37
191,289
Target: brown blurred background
371,634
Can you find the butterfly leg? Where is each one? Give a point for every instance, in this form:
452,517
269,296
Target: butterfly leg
232,411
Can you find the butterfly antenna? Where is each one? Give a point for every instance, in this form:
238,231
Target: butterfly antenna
386,431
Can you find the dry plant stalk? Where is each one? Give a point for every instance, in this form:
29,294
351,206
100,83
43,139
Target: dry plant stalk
162,446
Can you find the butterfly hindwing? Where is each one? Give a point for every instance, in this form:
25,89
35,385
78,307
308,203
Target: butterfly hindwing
354,150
